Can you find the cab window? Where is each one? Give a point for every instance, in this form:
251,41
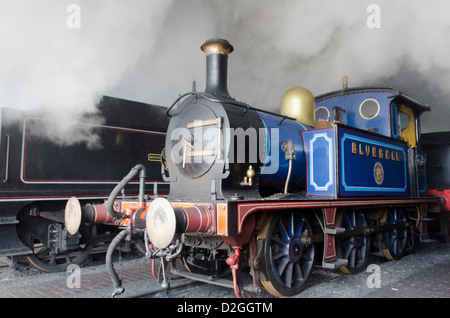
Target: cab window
407,125
322,114
394,120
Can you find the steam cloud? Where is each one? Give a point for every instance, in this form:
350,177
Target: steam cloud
149,51
64,71
281,44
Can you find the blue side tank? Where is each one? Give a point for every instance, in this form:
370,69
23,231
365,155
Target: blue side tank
275,167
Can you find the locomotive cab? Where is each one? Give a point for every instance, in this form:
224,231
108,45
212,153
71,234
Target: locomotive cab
384,111
405,123
380,111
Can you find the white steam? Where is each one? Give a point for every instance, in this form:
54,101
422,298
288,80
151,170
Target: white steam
45,63
314,43
281,44
149,50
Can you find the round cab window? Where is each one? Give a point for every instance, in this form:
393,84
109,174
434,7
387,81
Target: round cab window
322,114
404,120
369,109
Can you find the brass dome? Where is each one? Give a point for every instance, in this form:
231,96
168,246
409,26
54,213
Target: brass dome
298,103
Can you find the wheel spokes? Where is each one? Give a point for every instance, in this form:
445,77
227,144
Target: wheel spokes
283,232
288,276
282,265
291,262
396,238
353,248
348,249
298,271
278,242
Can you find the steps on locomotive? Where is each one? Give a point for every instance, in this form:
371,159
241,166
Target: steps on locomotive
429,220
335,263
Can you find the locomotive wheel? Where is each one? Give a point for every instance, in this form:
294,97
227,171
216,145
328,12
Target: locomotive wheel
353,248
395,240
288,261
43,260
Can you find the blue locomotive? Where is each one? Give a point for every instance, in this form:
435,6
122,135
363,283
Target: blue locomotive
328,181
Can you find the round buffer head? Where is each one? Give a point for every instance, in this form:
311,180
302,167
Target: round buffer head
160,223
72,215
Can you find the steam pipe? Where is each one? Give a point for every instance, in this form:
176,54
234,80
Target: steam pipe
288,148
286,185
112,197
118,289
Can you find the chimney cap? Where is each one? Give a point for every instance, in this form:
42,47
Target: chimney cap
217,46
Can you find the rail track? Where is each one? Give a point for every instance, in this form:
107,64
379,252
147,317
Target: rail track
139,282
317,287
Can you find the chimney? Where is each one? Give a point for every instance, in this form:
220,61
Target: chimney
217,51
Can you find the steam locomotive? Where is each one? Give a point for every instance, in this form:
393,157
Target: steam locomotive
40,175
437,148
330,180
